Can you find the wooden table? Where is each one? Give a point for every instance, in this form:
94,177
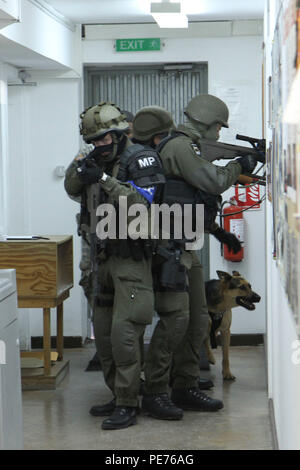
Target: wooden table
44,270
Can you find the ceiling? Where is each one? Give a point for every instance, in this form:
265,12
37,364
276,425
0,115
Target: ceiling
125,11
138,11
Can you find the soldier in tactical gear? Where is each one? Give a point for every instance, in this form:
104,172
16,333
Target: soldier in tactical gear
183,313
125,301
86,279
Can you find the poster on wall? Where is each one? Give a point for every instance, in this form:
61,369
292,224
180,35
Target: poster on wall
288,47
236,98
285,154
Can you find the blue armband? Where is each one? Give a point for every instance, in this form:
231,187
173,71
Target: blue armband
147,193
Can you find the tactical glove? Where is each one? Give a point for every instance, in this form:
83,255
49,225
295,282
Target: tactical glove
229,239
88,171
248,163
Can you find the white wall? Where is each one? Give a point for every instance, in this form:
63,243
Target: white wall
38,131
233,62
43,122
3,146
283,343
46,35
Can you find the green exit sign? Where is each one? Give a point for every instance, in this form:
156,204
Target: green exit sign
136,45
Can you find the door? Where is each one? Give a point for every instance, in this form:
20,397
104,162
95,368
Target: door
171,86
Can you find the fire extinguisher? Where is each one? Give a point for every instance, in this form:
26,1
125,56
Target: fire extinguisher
233,221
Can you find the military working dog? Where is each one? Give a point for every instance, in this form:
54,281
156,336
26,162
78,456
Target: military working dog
222,295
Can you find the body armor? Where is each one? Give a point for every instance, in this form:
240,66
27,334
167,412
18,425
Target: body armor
141,164
180,192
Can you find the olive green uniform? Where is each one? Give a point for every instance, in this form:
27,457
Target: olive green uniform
125,303
183,315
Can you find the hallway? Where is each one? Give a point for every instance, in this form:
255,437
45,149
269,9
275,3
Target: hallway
60,420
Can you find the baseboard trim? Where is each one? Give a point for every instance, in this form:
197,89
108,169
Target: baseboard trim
70,342
273,424
244,340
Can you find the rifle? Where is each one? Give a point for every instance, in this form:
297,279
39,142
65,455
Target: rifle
88,227
211,150
251,179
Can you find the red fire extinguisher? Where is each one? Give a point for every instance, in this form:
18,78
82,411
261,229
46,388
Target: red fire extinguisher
233,221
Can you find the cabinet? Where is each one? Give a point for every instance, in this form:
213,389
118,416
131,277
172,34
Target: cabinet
44,270
11,432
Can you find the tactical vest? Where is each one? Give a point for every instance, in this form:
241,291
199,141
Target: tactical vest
141,166
178,191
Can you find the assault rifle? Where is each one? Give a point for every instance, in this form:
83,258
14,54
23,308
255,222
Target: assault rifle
88,223
211,150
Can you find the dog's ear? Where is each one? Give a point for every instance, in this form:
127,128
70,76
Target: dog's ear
224,276
235,273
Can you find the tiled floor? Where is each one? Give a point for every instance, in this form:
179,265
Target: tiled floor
60,419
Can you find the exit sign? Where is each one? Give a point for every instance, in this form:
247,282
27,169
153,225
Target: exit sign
136,45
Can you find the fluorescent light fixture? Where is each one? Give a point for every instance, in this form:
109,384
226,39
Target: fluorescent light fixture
168,15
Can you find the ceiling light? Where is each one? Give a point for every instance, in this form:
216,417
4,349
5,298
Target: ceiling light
168,15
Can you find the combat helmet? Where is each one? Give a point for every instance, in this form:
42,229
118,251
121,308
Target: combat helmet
208,110
98,120
151,120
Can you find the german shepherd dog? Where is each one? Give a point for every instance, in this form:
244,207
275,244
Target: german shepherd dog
222,295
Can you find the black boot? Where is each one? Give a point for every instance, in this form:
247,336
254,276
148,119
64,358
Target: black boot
194,400
204,384
103,410
122,417
161,407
